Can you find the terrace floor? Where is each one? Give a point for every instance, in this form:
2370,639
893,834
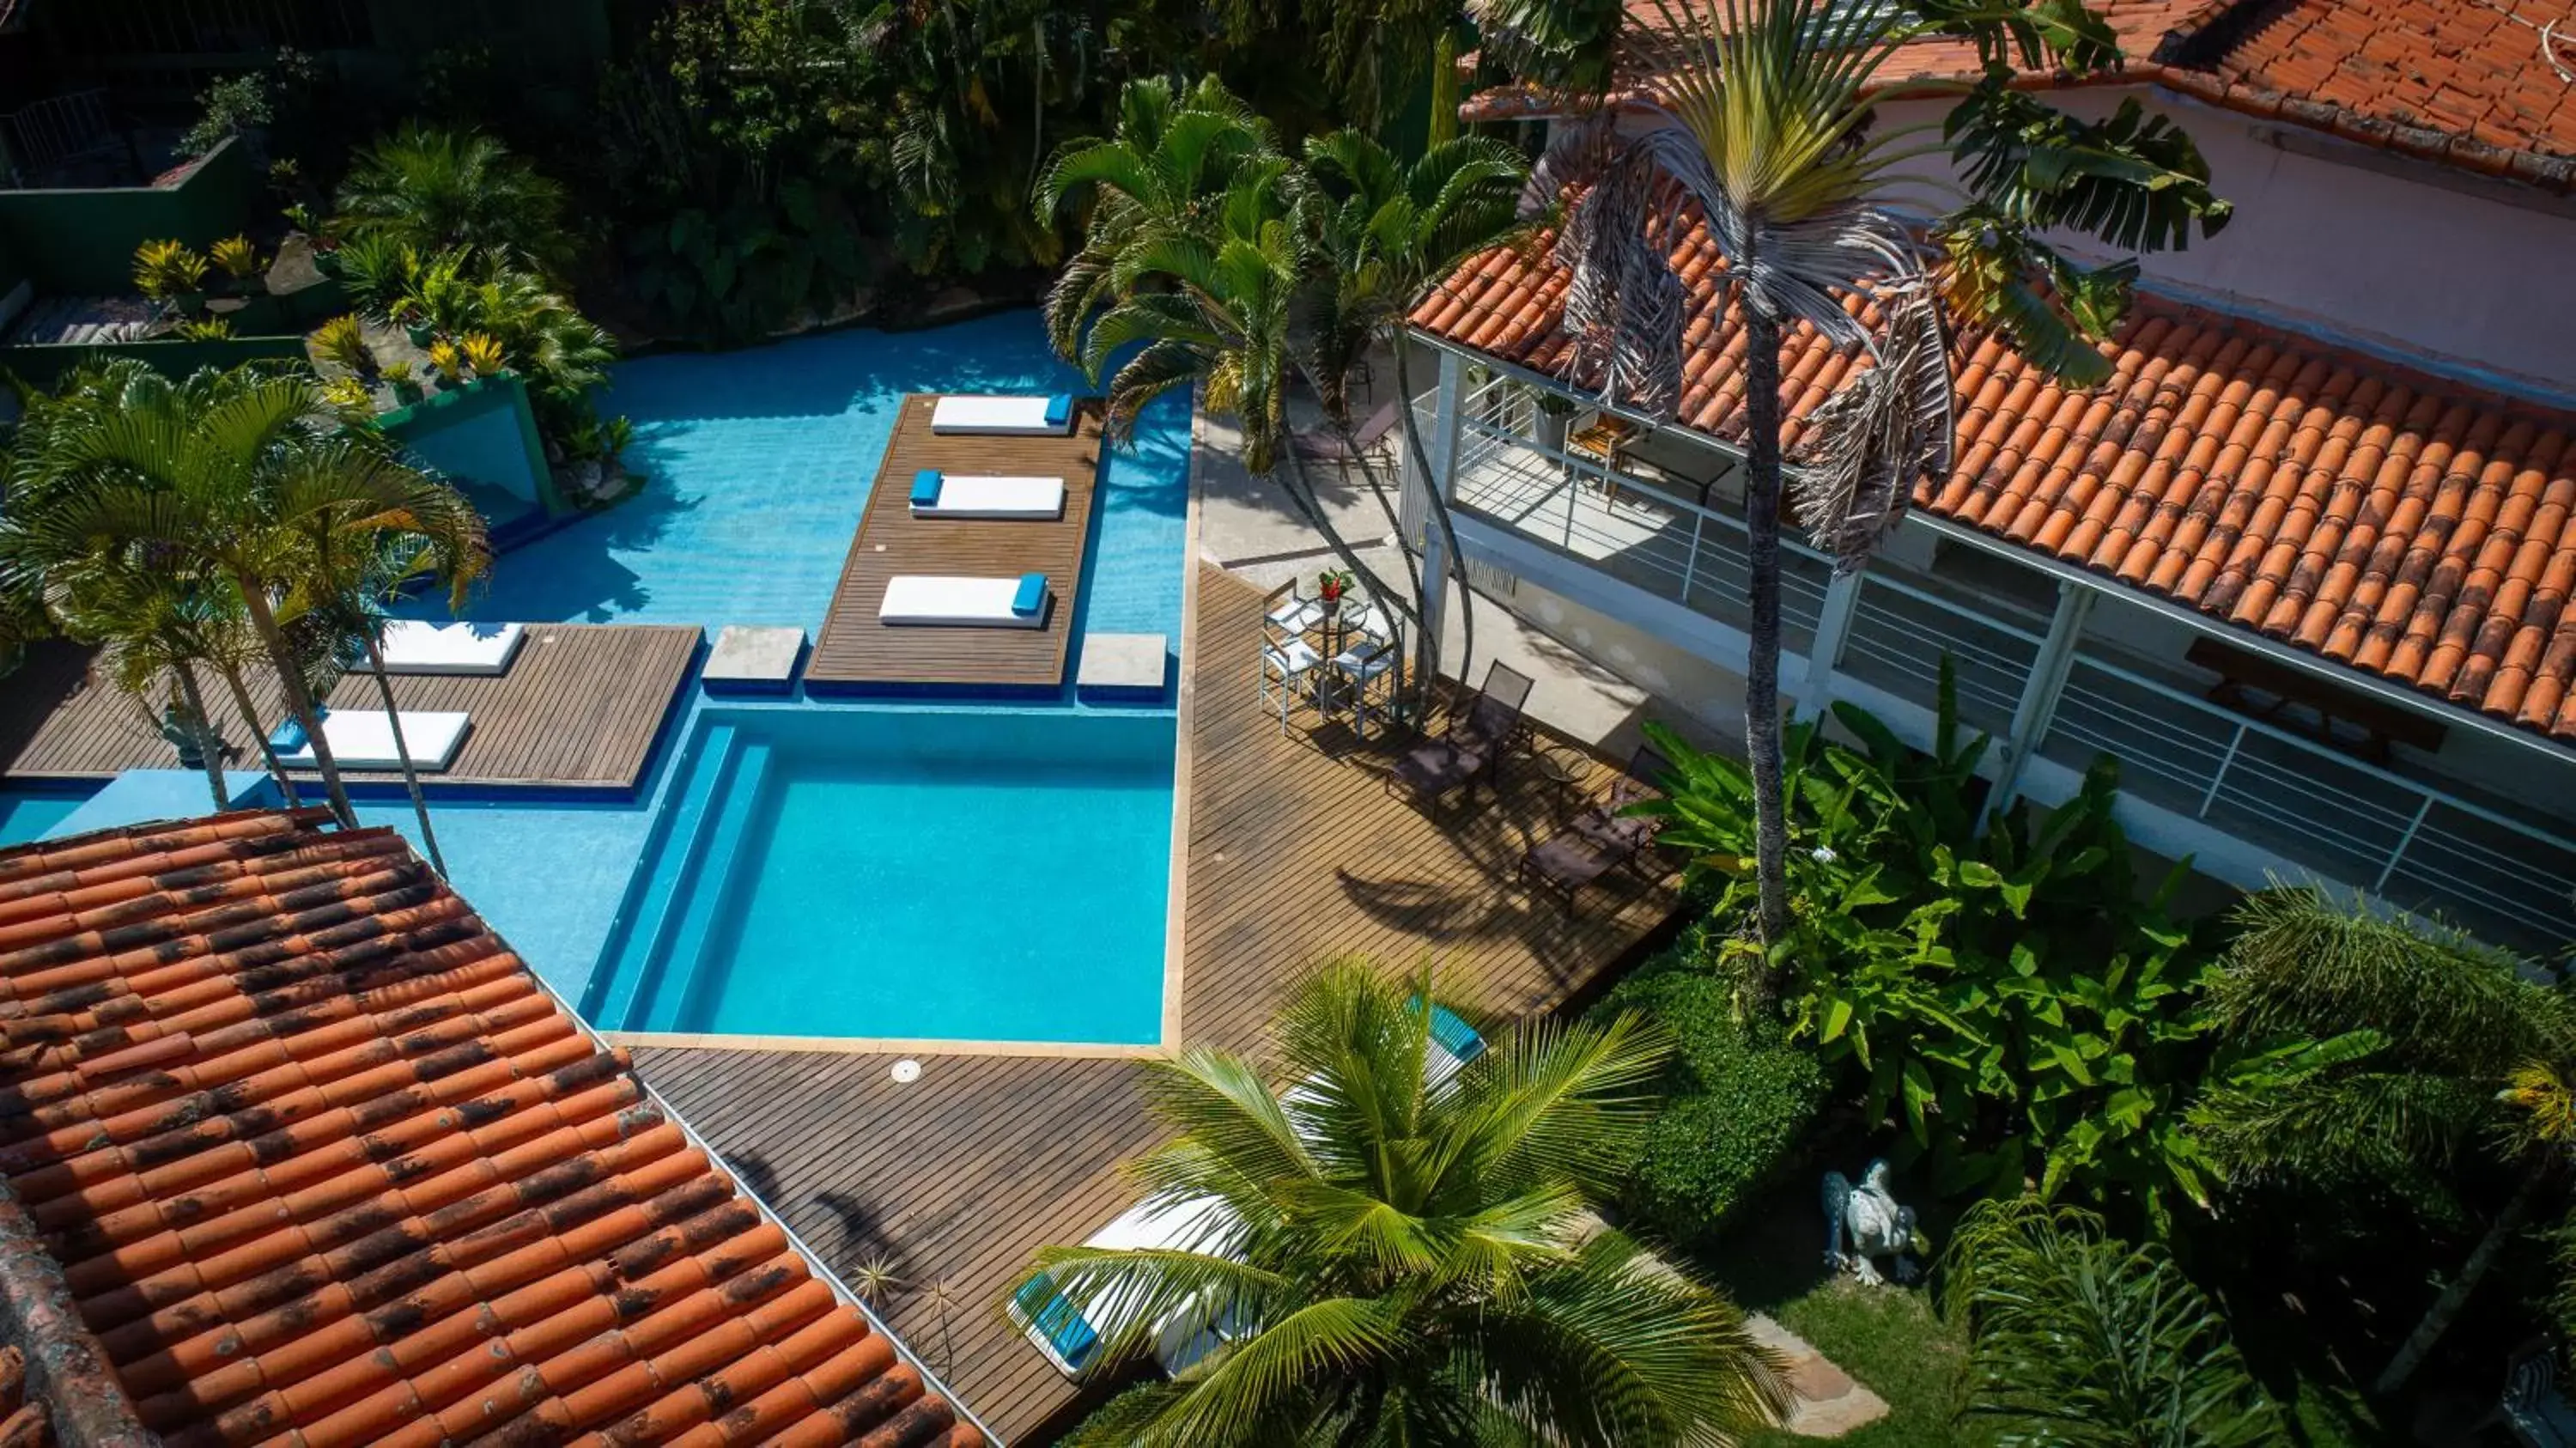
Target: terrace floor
1295,854
581,707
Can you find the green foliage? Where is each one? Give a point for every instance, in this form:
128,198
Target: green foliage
235,257
2001,984
343,339
1401,1253
749,270
167,269
225,109
2080,1340
1738,1099
204,329
433,189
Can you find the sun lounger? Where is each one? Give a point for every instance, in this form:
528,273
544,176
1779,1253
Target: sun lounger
932,601
1472,748
1003,416
1070,1332
364,739
1325,445
1607,823
413,647
966,495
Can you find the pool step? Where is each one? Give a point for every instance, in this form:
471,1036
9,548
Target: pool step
626,958
679,974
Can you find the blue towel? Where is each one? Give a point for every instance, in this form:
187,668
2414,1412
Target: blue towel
1056,1320
1059,409
925,488
1032,595
287,738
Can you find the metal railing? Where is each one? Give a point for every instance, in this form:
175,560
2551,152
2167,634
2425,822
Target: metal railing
41,136
1627,526
2408,840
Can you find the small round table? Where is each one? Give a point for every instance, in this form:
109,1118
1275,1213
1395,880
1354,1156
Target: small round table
1565,769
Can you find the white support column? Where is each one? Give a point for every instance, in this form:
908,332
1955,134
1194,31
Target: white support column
1833,625
2039,693
1442,449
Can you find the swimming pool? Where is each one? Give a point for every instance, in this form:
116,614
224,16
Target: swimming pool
31,814
950,874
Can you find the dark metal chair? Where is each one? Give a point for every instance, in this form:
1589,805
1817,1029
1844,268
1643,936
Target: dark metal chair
1472,747
1602,836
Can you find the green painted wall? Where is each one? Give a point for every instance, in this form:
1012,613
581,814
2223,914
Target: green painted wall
44,365
81,242
484,435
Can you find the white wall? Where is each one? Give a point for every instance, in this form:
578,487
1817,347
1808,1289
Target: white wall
2377,250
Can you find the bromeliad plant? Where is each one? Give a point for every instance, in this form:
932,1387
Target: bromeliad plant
168,270
1998,984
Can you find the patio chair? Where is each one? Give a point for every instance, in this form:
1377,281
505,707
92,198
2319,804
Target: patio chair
1605,822
1367,668
1565,862
1472,748
1324,445
1286,608
1288,668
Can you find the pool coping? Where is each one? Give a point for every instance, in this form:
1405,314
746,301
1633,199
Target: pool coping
1176,893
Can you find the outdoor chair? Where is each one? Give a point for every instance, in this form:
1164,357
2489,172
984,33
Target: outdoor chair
1606,823
1324,445
1601,837
1285,608
1288,668
1472,748
1368,669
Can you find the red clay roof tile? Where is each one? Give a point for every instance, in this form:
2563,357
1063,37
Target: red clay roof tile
323,1164
2415,528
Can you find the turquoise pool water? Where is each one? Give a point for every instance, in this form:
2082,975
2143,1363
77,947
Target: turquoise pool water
26,816
995,874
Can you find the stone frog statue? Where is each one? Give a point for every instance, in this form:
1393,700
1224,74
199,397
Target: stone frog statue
1866,1220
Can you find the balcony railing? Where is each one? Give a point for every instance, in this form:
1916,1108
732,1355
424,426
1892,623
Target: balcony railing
2409,840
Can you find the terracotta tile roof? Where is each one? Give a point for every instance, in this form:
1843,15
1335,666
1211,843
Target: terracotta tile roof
323,1164
2458,82
2407,526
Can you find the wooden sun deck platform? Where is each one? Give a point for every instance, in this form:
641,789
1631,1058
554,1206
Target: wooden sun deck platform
1295,854
580,708
854,651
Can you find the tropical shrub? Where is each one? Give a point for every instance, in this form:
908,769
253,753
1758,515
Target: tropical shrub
226,108
167,269
343,339
450,362
1738,1099
482,353
235,257
433,189
2080,1340
2002,983
204,329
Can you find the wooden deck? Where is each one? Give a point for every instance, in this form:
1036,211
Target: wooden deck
580,708
855,651
1296,853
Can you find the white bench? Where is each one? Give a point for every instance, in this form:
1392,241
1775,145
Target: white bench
970,495
414,647
987,416
934,601
364,739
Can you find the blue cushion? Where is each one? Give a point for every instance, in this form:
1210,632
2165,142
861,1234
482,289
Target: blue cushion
1059,409
1455,1035
1056,1319
287,738
1032,595
925,488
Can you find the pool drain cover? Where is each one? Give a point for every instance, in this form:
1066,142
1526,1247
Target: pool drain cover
906,1071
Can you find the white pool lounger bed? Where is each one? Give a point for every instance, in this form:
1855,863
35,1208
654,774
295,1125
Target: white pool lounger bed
933,601
364,739
967,495
989,416
414,647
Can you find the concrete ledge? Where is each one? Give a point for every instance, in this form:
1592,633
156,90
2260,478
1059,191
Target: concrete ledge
1123,665
749,660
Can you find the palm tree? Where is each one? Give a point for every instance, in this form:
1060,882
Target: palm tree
431,189
2080,1340
1199,253
229,471
373,525
1402,1250
153,627
1389,230
1769,133
2431,1049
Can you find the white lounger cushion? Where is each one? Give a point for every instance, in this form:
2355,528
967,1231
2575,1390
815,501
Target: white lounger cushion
958,602
970,496
413,647
1001,416
364,739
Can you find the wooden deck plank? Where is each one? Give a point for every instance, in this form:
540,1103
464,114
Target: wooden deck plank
581,707
855,650
1295,853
